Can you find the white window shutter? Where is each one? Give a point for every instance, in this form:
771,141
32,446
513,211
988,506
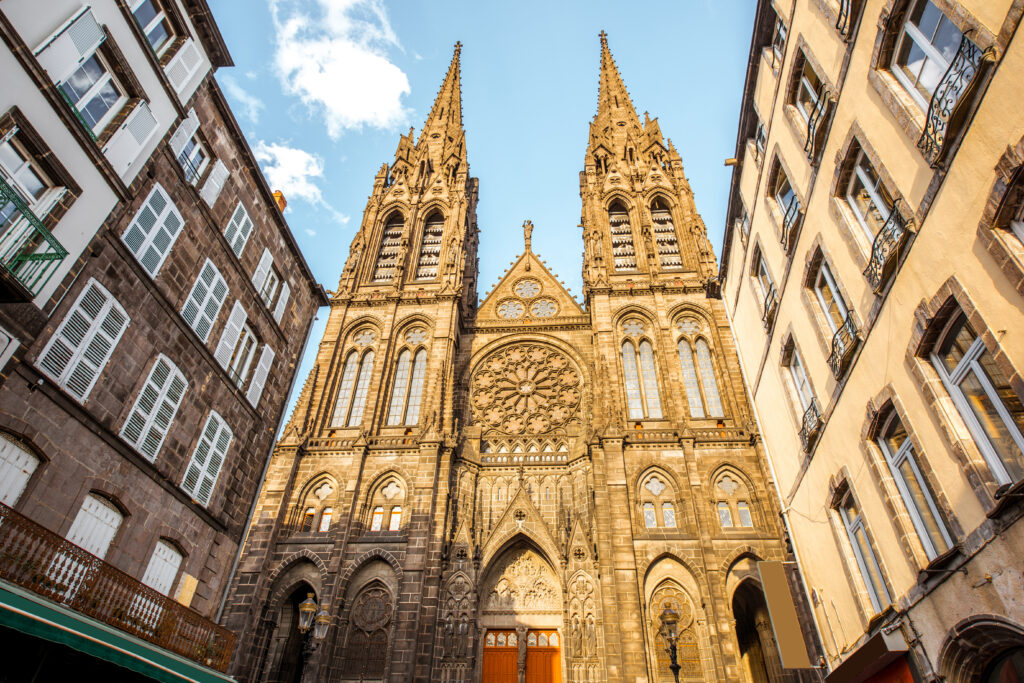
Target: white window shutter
183,67
95,526
238,229
163,567
186,129
282,302
155,407
83,343
17,464
125,145
207,460
153,231
259,377
214,183
229,337
205,300
262,269
77,40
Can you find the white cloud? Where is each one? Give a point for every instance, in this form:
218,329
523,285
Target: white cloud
295,172
332,54
251,105
310,232
251,75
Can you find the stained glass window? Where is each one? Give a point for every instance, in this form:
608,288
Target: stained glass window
650,380
743,508
707,376
690,379
724,515
668,513
362,385
633,399
348,377
398,393
325,520
419,369
650,521
307,520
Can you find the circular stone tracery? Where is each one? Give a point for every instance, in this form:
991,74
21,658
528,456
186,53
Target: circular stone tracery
525,389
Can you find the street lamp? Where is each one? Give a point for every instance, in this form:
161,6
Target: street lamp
670,632
307,608
320,623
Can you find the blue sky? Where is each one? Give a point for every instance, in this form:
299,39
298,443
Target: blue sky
322,89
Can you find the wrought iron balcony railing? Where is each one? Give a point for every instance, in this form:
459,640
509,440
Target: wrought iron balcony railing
771,303
815,124
810,425
844,341
885,248
27,249
845,19
790,221
947,96
41,561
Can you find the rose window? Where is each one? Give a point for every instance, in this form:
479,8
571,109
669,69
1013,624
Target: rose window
525,389
544,308
510,309
688,326
416,335
633,328
365,338
527,288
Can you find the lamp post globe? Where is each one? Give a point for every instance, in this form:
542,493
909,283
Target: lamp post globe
670,632
321,622
307,608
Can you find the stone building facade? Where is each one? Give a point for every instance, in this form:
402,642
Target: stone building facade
872,270
478,491
155,307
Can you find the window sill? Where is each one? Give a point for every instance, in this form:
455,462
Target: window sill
1010,499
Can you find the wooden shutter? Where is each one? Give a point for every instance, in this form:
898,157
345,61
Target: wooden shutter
205,300
71,45
229,337
259,377
80,348
125,145
282,302
95,526
186,129
163,567
182,67
214,183
155,407
152,232
16,467
207,460
238,230
262,269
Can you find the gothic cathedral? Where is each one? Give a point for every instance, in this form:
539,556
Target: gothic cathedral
515,489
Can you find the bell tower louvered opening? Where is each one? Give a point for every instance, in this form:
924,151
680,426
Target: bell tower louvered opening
390,244
665,236
622,237
430,249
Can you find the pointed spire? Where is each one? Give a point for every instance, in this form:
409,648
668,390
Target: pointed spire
613,101
447,109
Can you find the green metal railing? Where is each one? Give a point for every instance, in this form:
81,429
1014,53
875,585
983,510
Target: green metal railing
27,249
78,114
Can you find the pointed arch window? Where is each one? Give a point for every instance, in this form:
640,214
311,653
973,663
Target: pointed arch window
699,378
665,236
355,381
642,394
430,248
408,390
390,244
622,237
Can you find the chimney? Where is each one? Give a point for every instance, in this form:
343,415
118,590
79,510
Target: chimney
281,201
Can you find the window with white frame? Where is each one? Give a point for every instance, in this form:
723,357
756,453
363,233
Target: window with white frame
238,229
808,90
193,159
779,39
325,520
205,300
155,407
19,170
867,197
927,43
79,349
829,298
154,229
867,563
94,93
242,356
898,450
643,398
782,192
207,459
765,284
760,140
990,407
17,465
154,24
95,525
355,382
163,567
272,288
798,376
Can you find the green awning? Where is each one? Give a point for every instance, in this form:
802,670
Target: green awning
29,613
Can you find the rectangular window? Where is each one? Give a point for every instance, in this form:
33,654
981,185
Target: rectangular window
193,160
779,40
650,521
762,276
154,24
307,520
205,300
95,526
783,193
927,43
867,197
163,568
378,518
238,229
153,231
724,515
207,459
743,508
93,93
395,520
241,358
801,383
83,343
808,91
867,563
760,140
829,298
229,337
150,419
21,172
17,465
668,513
325,520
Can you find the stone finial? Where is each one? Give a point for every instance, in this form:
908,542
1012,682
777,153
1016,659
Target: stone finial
527,231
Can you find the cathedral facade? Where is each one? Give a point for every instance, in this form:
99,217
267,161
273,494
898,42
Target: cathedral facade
516,488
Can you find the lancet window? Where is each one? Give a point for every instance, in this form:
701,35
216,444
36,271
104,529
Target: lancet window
665,236
410,369
355,383
657,502
698,370
732,502
622,237
385,506
390,245
430,248
642,396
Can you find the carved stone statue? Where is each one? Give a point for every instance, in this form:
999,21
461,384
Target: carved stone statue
577,637
449,637
463,639
527,232
591,638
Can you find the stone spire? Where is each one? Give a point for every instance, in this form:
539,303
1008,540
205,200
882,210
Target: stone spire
446,114
613,102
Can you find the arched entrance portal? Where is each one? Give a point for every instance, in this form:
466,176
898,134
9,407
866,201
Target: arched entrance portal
759,655
290,658
521,615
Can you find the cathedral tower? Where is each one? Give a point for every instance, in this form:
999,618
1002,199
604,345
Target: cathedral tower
478,493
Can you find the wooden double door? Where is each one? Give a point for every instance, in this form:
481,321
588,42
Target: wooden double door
543,656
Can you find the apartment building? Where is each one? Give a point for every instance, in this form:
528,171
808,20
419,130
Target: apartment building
154,306
873,271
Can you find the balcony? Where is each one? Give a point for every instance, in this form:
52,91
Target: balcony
41,561
947,100
28,251
816,125
888,243
810,425
846,18
844,341
771,304
790,222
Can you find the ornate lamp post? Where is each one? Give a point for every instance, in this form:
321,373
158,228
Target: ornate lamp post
307,608
319,620
670,632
